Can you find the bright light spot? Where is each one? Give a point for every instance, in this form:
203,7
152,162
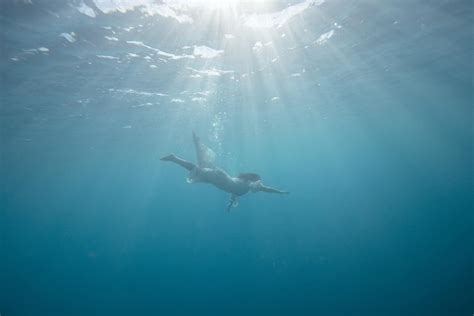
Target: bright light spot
221,4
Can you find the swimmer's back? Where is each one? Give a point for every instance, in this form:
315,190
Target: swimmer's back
221,180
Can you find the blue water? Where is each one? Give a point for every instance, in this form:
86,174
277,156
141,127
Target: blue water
362,109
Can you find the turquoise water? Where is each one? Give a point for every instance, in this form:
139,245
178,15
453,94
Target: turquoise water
361,109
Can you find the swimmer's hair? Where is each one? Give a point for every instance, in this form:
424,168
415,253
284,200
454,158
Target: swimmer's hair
249,177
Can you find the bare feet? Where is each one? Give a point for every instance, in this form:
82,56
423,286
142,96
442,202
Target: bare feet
168,158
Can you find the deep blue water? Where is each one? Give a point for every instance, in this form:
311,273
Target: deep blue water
362,109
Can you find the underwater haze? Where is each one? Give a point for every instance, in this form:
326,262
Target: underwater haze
361,109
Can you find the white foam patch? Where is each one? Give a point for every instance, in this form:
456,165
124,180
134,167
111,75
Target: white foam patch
275,98
111,38
177,100
70,37
325,37
31,51
167,12
212,72
143,93
143,105
149,7
206,52
160,52
199,99
107,57
86,10
43,49
279,18
203,93
257,46
122,6
133,55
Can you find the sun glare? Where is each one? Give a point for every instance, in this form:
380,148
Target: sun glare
224,4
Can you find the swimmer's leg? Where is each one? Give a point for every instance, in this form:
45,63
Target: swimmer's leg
183,163
205,155
200,154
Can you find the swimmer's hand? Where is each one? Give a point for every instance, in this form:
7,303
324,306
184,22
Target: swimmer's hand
233,202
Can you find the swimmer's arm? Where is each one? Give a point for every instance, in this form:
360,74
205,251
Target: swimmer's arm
263,188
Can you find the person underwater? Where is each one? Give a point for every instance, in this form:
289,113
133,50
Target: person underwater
205,172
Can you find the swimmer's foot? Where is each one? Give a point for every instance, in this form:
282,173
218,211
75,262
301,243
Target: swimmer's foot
168,158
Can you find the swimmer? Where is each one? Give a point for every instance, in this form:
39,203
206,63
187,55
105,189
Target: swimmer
205,172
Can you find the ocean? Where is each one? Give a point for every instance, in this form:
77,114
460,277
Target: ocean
362,110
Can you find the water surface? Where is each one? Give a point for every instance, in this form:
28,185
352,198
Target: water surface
362,109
